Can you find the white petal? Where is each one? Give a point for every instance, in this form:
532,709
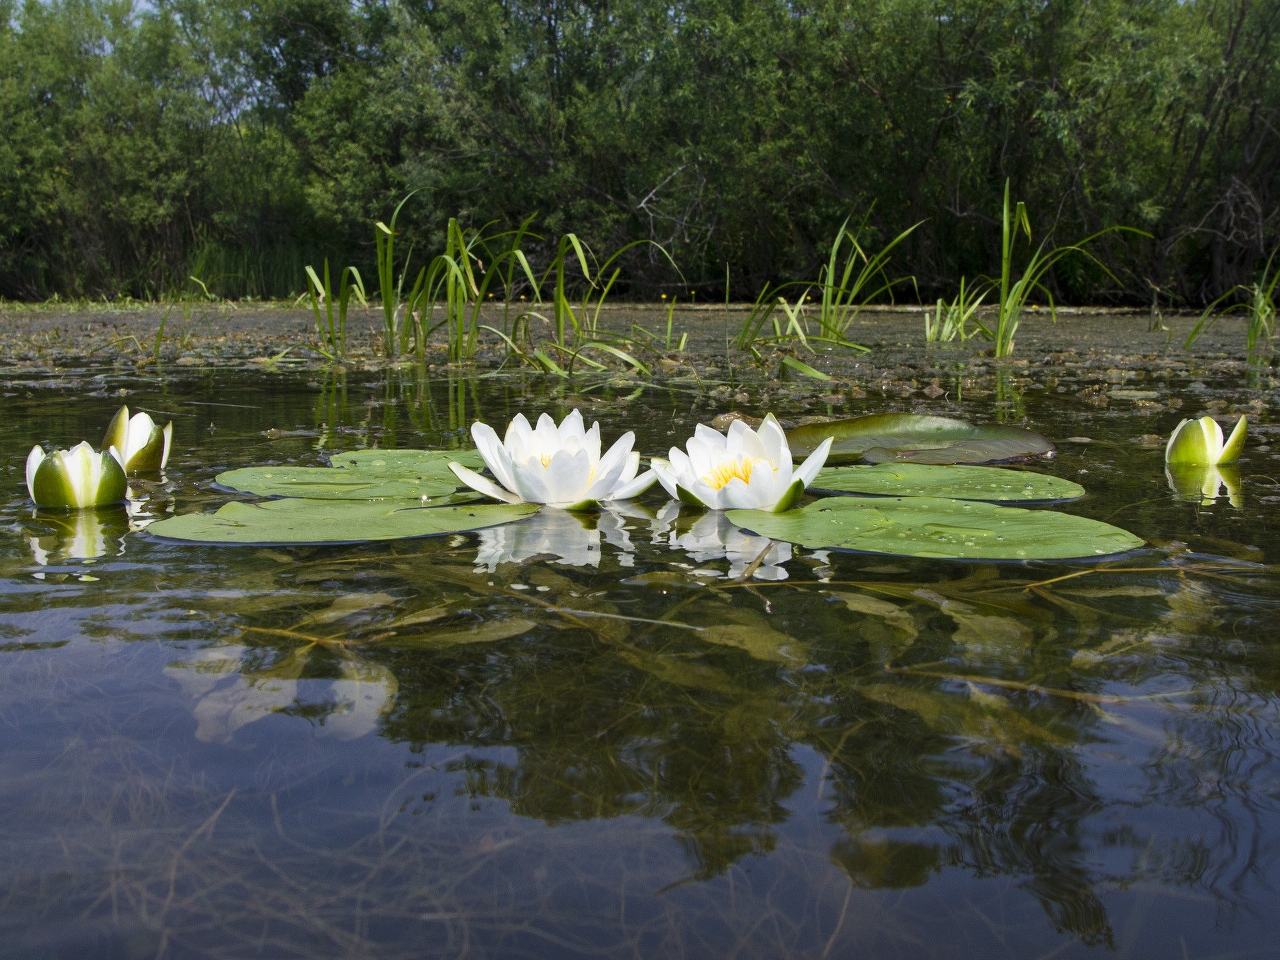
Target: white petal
34,459
635,487
809,469
666,476
710,435
530,477
608,471
168,443
482,485
567,477
775,441
493,453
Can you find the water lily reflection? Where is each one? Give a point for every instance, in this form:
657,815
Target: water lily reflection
570,538
231,690
710,536
84,535
1203,483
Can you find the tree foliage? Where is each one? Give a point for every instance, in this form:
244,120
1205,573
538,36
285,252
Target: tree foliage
238,140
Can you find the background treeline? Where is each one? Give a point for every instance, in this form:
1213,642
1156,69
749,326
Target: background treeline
239,140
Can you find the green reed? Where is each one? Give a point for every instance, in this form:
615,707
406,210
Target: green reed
951,320
1014,293
332,329
1259,308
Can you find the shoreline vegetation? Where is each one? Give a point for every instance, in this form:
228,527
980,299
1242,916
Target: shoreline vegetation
714,147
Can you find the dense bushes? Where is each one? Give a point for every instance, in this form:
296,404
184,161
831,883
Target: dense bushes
241,139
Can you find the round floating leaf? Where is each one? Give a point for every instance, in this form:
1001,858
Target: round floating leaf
916,438
362,475
956,483
938,528
324,521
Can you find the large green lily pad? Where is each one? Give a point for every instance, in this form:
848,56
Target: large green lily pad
952,482
361,475
917,438
324,521
937,528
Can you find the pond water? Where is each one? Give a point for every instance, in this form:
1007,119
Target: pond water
567,739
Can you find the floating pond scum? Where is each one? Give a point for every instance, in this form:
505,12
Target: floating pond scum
304,693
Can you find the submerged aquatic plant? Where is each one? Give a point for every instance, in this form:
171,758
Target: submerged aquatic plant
560,466
1199,442
75,479
744,469
141,443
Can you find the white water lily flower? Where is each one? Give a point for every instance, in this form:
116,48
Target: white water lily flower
745,470
142,444
559,466
1200,442
76,478
713,537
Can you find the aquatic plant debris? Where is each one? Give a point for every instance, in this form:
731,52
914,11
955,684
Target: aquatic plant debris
939,528
918,438
362,475
953,482
321,521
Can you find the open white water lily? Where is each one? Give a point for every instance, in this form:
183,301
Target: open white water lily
560,466
1200,442
743,470
75,479
143,445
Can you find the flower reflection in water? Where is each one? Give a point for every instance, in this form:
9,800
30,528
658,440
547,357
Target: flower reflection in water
1204,483
231,690
85,535
572,539
712,537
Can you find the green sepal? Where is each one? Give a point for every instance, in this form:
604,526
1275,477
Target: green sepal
1232,449
117,430
789,499
684,496
1189,444
583,506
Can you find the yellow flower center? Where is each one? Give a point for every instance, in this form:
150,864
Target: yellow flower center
725,471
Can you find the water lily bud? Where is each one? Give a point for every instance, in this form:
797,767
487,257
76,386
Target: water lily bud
142,444
557,465
745,469
76,478
1200,442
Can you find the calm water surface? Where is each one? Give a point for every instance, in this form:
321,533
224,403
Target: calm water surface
569,740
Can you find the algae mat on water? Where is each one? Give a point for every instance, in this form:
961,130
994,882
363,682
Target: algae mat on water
952,482
323,521
936,528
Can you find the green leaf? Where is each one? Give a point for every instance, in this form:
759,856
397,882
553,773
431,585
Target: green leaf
938,528
952,482
917,438
361,475
323,521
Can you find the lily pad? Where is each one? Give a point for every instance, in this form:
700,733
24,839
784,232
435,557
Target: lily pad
952,482
937,528
917,438
323,521
361,475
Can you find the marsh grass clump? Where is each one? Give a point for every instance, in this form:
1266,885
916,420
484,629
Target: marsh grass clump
1258,306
